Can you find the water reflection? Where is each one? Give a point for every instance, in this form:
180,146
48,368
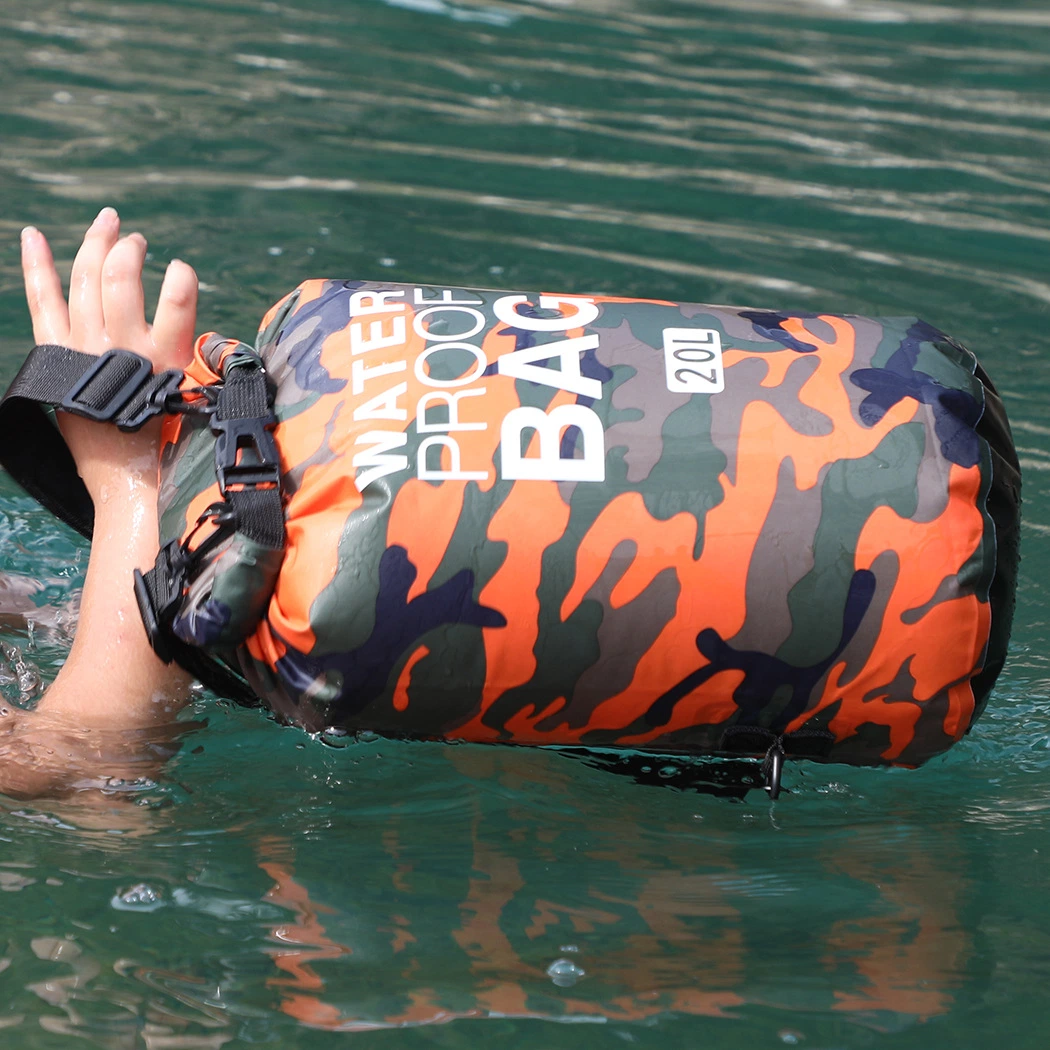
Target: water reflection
403,886
662,920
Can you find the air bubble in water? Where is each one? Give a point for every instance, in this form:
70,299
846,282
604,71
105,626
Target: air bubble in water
333,736
140,897
564,972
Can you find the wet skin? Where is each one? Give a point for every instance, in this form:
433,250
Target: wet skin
112,681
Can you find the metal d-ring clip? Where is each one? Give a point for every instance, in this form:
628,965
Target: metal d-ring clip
773,767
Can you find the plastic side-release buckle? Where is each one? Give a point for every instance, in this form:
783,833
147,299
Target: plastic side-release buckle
246,454
122,370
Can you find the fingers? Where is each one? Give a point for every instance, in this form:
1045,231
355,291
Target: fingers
47,304
176,317
123,302
86,317
106,303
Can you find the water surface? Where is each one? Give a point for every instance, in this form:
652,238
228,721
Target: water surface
879,157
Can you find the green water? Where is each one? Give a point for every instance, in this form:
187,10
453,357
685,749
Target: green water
873,156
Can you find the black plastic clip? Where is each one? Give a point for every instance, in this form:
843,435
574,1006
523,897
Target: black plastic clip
246,453
131,373
161,394
159,592
773,767
159,595
223,519
194,400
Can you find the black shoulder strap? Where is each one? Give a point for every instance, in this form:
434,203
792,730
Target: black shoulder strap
118,387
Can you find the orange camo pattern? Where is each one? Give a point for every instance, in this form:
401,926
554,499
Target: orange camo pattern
817,530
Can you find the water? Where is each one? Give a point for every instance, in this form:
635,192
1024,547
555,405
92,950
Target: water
875,156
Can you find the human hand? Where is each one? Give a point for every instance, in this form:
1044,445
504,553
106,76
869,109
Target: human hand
106,310
112,681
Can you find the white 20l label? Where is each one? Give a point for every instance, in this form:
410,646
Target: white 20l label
693,360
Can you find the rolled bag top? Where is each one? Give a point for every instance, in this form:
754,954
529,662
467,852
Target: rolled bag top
594,521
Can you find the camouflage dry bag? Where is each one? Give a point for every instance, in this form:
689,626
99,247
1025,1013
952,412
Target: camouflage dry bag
579,520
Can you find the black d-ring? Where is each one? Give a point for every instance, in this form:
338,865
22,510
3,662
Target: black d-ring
773,767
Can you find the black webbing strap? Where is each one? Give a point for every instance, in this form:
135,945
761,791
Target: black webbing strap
248,469
247,462
117,387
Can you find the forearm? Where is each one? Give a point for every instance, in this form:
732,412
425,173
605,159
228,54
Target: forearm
110,711
112,678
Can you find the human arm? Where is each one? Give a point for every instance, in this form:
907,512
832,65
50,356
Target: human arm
112,680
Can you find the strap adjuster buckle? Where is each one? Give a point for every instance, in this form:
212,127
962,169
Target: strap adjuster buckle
245,453
138,372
